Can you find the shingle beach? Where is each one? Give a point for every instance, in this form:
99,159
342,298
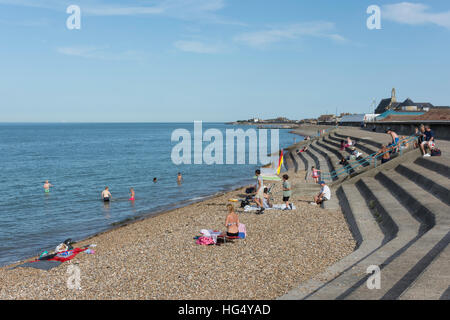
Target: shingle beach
157,258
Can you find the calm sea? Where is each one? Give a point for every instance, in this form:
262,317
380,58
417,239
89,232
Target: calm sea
80,160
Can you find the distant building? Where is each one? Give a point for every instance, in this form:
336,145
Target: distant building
357,119
407,105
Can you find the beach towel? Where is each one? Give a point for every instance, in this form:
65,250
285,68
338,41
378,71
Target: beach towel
275,207
46,263
39,264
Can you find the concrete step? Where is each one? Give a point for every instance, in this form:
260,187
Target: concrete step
440,165
360,145
368,236
340,154
400,229
288,162
429,180
332,204
332,160
423,205
401,273
298,161
433,282
309,162
364,138
319,159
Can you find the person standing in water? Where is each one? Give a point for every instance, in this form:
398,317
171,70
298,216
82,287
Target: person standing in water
131,194
154,180
106,195
47,186
179,178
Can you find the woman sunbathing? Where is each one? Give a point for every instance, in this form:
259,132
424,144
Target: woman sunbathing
232,222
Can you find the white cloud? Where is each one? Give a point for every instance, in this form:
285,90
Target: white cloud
197,47
194,10
100,53
414,14
289,32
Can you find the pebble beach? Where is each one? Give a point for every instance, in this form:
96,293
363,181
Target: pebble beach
157,258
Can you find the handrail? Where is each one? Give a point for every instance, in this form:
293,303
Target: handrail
336,173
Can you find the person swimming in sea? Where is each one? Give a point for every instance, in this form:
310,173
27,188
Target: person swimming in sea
106,195
154,180
47,186
179,178
131,194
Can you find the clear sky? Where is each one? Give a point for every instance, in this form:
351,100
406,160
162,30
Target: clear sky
217,60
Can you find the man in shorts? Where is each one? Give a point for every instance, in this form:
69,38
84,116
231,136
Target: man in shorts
428,143
324,194
395,139
259,197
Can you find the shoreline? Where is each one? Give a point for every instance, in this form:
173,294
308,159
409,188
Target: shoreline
154,256
142,217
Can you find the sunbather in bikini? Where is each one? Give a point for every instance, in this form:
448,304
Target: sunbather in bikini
232,222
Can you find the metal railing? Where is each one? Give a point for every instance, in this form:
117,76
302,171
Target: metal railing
370,159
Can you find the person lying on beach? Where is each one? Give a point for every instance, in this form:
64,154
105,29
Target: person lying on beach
47,186
106,195
232,222
304,149
131,194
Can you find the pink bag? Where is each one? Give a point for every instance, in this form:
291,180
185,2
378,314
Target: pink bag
205,241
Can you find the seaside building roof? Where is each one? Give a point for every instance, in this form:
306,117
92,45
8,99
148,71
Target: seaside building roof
353,118
390,113
407,105
435,114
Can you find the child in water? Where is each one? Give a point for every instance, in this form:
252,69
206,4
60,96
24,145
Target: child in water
47,186
131,194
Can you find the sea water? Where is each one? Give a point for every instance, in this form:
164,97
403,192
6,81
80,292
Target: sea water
80,160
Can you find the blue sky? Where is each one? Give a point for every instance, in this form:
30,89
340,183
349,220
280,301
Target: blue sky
217,60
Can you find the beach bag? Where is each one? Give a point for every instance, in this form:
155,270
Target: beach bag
435,152
250,190
242,231
244,203
205,241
